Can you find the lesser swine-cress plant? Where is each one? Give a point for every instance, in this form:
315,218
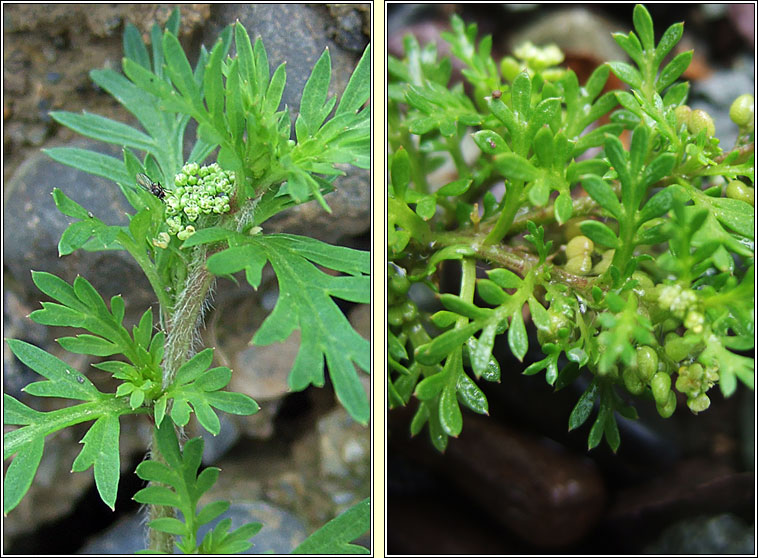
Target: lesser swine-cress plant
194,222
652,293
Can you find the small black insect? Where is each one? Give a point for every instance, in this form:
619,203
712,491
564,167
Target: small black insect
153,187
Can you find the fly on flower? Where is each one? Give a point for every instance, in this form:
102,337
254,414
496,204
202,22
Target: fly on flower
153,187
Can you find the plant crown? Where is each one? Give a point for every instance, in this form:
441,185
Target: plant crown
617,234
194,222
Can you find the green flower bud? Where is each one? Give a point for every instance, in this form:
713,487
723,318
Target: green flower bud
694,321
685,383
701,120
738,190
661,386
579,246
699,403
667,409
510,68
742,110
647,363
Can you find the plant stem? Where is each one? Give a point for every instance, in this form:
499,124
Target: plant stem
158,540
187,312
180,337
512,201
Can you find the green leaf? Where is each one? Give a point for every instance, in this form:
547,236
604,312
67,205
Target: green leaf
306,302
179,69
657,205
104,129
357,91
63,380
442,345
599,233
583,407
430,386
643,24
450,412
669,39
471,395
91,162
101,451
626,73
673,70
337,535
603,194
20,473
521,94
314,96
515,167
564,208
505,278
517,338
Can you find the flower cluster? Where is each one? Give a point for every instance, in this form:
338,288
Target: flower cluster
197,191
683,304
533,59
694,381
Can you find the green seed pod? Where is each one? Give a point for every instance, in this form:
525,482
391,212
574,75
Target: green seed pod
742,110
399,284
647,363
701,120
632,382
409,310
603,265
682,113
661,386
395,316
699,403
579,265
579,246
738,190
668,408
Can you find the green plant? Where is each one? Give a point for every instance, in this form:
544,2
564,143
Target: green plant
192,223
654,288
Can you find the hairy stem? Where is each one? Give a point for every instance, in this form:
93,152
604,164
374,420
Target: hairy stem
181,331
